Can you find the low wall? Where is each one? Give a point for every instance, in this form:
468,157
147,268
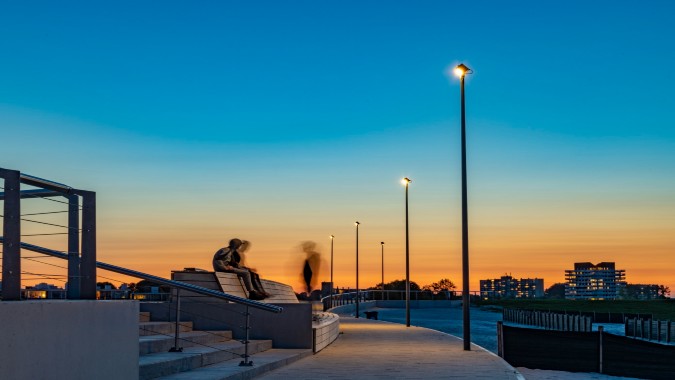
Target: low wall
291,328
63,339
326,330
393,304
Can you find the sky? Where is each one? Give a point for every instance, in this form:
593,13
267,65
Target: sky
284,122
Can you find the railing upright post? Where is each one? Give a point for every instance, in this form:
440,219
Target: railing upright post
11,243
247,327
73,247
175,347
88,260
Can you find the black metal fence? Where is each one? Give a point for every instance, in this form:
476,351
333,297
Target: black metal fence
660,331
585,352
548,320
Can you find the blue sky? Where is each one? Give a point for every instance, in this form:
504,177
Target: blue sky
311,112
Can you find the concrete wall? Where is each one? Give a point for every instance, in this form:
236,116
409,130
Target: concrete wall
61,339
393,304
427,304
291,328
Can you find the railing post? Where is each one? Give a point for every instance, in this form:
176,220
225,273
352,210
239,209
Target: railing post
88,261
175,347
668,332
600,329
500,339
73,247
11,244
246,362
658,328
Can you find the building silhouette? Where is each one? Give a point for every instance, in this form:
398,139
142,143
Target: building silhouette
509,287
594,282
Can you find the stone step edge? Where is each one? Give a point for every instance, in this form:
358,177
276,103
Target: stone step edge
263,362
150,344
152,365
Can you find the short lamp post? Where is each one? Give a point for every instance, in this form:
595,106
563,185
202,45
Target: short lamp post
406,181
358,294
382,250
461,70
332,284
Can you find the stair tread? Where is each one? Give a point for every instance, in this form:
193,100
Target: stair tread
262,362
184,335
160,357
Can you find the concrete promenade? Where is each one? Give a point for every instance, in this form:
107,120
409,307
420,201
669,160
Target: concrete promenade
369,349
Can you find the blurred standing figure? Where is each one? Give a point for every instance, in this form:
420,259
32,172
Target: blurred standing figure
229,259
310,268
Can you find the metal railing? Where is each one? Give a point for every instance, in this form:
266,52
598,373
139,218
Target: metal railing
352,297
81,252
179,286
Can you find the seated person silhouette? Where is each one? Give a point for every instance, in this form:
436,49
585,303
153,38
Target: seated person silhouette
228,259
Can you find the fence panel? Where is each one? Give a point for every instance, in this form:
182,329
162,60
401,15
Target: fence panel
555,350
636,358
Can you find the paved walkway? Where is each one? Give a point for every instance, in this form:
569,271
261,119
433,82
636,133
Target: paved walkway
368,349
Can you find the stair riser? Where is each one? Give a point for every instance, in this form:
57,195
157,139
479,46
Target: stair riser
183,363
165,344
159,328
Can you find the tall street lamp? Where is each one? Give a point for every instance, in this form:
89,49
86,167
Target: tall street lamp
357,269
461,70
406,181
332,285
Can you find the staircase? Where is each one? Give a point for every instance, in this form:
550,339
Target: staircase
207,355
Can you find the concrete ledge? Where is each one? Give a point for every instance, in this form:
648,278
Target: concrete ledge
326,328
62,339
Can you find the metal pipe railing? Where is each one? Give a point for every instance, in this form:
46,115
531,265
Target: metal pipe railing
159,280
45,184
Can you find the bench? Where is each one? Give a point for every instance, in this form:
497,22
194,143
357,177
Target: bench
371,314
231,284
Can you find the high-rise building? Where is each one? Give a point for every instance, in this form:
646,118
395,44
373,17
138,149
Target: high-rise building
594,282
509,287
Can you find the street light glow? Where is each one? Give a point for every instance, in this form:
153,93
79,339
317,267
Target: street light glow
406,180
461,70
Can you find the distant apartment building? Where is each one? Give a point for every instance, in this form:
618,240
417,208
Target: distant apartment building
594,282
509,287
641,292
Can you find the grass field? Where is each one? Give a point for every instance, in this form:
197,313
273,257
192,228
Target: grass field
661,309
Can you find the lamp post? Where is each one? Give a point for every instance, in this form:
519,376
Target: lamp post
461,70
357,269
406,181
332,285
382,246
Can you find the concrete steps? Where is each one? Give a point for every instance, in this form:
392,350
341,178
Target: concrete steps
206,354
168,363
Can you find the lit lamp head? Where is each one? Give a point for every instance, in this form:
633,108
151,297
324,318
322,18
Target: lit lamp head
357,224
382,243
406,181
332,237
461,70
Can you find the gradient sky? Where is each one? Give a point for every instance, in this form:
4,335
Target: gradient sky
280,122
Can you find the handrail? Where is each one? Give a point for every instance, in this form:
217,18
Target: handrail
159,280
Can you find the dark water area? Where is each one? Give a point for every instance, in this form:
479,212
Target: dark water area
449,320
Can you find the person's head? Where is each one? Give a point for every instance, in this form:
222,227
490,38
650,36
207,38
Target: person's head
235,243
